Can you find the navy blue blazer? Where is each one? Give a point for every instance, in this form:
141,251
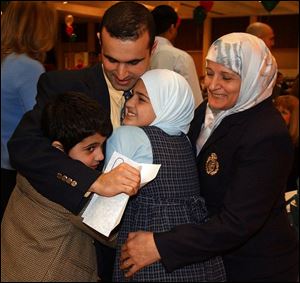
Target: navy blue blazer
51,172
243,168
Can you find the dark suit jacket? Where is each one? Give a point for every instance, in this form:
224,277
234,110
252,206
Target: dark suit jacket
243,168
49,170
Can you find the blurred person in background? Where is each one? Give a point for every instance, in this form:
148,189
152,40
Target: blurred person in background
264,32
294,90
166,56
28,31
281,87
288,106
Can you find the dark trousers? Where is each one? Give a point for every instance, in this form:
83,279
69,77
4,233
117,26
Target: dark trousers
105,259
8,182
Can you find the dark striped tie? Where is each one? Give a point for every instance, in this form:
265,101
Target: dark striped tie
127,94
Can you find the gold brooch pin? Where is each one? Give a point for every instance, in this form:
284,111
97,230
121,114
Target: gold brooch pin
212,164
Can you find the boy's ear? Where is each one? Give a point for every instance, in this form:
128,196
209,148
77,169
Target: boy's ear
58,145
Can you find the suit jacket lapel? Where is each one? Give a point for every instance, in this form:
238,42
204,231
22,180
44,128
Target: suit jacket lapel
96,84
219,132
225,125
222,130
196,124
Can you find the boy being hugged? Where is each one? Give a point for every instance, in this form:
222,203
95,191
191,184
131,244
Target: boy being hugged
39,241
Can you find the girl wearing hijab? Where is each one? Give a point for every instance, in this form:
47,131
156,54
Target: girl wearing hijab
244,154
158,117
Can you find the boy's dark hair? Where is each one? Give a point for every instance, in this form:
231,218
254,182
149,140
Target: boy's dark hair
72,117
128,20
164,16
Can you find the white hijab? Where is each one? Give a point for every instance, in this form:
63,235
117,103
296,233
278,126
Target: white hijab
249,57
172,100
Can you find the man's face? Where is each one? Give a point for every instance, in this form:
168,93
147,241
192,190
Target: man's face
124,61
268,37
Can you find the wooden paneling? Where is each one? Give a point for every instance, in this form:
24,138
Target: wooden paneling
286,29
190,38
222,26
190,35
80,29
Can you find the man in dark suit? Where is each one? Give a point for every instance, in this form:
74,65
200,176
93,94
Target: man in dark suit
127,37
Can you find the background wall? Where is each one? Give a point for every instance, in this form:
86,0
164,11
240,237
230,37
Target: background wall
196,39
286,49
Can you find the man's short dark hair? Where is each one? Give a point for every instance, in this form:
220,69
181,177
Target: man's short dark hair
128,20
164,16
72,117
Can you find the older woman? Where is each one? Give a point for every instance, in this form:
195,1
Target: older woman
243,156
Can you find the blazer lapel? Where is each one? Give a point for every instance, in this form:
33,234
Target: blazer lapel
95,82
223,129
196,124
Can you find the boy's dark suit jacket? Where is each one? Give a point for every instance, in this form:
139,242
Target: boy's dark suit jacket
51,172
243,169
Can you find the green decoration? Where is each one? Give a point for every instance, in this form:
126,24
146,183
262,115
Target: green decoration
73,37
4,5
199,14
269,5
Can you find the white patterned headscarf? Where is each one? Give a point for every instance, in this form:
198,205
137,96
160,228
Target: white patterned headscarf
249,57
172,100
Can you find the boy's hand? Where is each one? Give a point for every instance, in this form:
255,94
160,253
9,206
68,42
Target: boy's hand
122,179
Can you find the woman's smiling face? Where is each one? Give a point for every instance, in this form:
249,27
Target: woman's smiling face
223,86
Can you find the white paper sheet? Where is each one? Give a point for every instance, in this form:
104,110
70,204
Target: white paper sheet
104,213
288,195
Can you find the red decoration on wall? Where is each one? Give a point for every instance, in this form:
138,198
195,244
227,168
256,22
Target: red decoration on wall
69,28
207,5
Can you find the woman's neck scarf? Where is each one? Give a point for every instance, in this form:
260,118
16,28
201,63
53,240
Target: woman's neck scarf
172,100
